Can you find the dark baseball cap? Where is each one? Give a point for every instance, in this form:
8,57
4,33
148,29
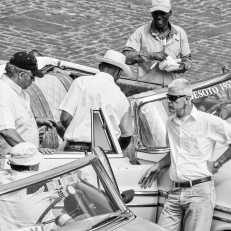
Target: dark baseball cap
26,61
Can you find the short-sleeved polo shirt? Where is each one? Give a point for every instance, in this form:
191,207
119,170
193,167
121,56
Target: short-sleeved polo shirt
15,113
145,39
94,92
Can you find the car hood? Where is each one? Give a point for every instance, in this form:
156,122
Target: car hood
140,224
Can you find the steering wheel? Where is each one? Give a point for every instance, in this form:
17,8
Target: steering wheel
69,190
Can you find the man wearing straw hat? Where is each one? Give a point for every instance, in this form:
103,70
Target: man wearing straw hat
153,42
98,91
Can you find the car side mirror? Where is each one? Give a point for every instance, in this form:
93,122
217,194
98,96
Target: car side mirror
128,196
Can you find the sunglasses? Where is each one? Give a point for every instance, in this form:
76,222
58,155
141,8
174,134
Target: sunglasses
174,97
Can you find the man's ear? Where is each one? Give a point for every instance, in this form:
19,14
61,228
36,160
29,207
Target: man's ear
21,75
187,100
170,13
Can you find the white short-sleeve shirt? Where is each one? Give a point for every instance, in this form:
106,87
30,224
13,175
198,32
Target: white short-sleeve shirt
94,92
15,113
192,143
146,40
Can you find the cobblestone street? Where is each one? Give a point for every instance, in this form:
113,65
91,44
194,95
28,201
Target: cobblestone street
78,30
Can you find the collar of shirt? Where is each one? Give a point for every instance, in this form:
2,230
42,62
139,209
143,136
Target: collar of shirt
106,76
12,84
154,32
193,114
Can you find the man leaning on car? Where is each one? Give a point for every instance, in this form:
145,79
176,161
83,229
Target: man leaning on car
17,122
97,91
192,136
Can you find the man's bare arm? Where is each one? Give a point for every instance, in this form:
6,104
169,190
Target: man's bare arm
225,157
65,119
133,56
124,142
11,137
152,173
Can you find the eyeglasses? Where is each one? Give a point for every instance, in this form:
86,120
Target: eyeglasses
174,97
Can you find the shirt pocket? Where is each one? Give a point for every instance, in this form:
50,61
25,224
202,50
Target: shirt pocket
198,145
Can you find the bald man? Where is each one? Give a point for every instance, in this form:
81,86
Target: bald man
191,135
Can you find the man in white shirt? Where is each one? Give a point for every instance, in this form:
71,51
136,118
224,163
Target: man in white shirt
20,209
192,136
17,123
98,91
151,43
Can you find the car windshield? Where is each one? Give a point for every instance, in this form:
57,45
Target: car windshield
214,98
83,196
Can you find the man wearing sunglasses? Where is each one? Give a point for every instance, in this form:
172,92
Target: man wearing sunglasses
17,122
191,135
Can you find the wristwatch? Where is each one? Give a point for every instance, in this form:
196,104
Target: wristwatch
216,164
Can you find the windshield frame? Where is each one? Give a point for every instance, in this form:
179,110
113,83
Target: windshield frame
161,96
64,169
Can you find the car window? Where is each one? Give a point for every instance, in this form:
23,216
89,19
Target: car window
152,124
87,198
152,116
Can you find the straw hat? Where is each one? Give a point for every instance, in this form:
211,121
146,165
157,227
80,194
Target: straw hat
25,154
117,59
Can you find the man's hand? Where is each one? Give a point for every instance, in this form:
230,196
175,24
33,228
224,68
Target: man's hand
160,56
46,151
149,177
211,168
46,122
181,68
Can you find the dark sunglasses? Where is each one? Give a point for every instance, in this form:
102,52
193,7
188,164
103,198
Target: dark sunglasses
174,97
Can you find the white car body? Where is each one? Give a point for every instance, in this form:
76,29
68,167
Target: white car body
149,202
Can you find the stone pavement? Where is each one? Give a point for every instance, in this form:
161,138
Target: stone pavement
77,30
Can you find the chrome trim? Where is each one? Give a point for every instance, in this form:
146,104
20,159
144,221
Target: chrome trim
161,204
142,205
153,150
222,219
145,194
77,155
222,209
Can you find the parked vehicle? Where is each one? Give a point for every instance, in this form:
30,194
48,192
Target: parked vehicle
87,196
150,113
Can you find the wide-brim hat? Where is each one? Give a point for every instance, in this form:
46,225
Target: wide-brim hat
117,59
161,5
26,61
25,154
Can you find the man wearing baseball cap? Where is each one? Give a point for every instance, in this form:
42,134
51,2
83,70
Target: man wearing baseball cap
153,42
17,123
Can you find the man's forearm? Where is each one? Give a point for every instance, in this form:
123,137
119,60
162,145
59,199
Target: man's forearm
11,137
65,119
133,56
124,142
165,162
226,156
187,60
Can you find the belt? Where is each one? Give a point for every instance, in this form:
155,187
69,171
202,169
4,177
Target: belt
77,146
190,183
79,143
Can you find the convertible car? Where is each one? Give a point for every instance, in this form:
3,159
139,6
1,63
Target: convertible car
85,197
149,113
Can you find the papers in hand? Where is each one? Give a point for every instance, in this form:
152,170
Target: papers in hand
169,64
